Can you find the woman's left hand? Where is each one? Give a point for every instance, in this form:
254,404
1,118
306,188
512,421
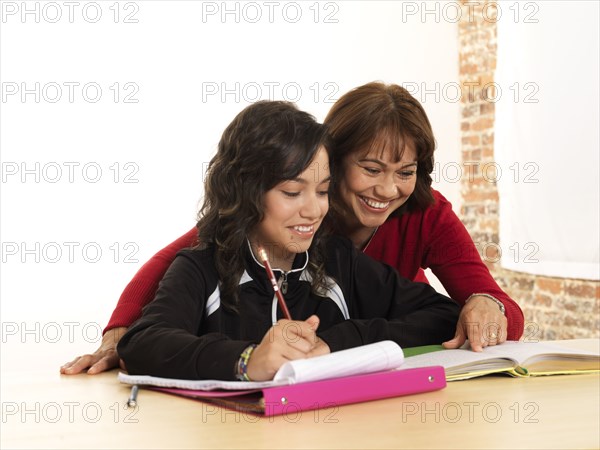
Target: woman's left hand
481,322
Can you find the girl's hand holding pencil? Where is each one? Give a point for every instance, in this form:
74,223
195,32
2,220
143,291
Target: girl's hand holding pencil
285,341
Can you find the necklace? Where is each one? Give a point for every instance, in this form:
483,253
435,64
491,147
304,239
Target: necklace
370,239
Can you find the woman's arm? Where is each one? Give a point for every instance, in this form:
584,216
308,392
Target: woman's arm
142,287
453,257
138,293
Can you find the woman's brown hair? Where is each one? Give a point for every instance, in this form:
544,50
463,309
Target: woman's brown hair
377,116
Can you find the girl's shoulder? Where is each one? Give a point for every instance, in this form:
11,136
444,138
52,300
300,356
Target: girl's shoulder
202,258
339,243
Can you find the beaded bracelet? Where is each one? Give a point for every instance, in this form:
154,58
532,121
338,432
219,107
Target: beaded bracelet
494,299
242,364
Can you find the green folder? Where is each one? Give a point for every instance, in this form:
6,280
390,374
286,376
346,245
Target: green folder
413,351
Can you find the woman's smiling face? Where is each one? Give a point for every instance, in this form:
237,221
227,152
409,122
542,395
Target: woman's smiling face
374,185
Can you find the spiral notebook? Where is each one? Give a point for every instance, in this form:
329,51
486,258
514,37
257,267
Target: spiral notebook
360,374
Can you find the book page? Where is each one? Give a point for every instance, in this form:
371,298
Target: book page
505,355
459,360
375,357
575,364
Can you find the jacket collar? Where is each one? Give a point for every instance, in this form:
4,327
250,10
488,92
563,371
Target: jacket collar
299,264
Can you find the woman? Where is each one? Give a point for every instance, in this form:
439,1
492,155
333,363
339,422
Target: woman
214,315
383,157
384,203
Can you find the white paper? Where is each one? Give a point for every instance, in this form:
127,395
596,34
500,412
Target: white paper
370,358
384,355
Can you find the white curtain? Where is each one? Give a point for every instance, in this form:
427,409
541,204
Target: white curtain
547,139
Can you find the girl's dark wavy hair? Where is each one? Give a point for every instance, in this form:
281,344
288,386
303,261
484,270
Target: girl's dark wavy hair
378,116
267,143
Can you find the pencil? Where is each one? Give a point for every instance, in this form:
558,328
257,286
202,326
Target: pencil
280,300
132,401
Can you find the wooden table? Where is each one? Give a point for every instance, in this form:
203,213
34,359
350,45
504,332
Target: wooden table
42,409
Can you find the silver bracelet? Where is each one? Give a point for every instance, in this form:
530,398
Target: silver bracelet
494,299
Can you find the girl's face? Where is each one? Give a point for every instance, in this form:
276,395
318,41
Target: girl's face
294,210
373,186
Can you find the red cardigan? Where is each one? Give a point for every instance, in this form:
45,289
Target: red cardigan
434,238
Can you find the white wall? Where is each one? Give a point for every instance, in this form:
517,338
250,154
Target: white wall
547,141
169,62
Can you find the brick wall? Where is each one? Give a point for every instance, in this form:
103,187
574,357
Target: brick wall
554,308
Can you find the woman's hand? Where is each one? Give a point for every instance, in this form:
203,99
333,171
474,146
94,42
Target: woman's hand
285,341
105,358
481,322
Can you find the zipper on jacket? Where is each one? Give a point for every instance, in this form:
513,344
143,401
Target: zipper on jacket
284,283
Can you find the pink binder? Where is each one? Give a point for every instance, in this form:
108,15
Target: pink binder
293,398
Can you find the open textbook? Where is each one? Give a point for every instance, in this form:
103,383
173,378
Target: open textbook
349,376
519,359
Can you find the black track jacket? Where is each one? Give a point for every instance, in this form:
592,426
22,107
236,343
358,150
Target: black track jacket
184,333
